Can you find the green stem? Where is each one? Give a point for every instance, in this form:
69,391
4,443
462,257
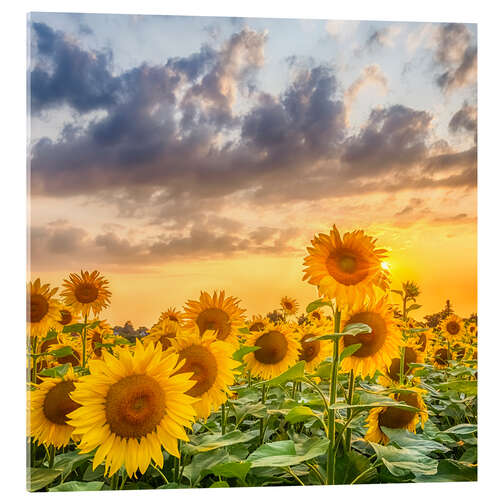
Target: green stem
402,366
318,390
348,432
52,455
176,469
84,343
262,420
223,418
114,481
330,464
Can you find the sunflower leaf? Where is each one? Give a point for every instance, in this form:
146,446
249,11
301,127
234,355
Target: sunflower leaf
367,406
62,351
243,351
56,371
349,351
299,414
462,429
356,329
244,330
38,478
316,304
213,441
296,372
79,486
232,469
74,328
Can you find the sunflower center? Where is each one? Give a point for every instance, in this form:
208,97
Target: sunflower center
258,326
47,343
135,405
273,347
58,404
202,363
442,356
86,293
397,418
97,339
66,317
165,341
214,319
316,315
452,327
73,358
346,267
309,350
371,342
38,308
422,342
288,305
172,317
410,357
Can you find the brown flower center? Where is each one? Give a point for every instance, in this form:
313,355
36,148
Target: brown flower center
442,356
346,267
202,363
46,343
397,418
288,305
258,326
422,342
172,317
86,293
309,350
73,358
135,406
214,319
38,307
316,315
273,347
58,404
452,327
66,317
165,342
410,357
372,342
97,339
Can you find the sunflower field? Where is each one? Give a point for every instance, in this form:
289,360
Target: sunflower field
350,390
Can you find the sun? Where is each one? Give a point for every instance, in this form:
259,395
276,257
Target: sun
385,266
346,269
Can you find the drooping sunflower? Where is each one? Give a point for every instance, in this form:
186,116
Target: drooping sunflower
422,341
315,351
391,374
396,418
452,327
131,406
219,313
278,350
42,310
459,350
67,317
345,268
211,364
172,314
86,292
163,332
379,347
50,404
97,336
441,356
289,306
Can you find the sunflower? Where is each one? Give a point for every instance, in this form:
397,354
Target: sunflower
472,330
86,292
441,356
73,357
131,406
379,347
219,313
391,374
396,418
67,316
258,323
345,269
411,324
163,332
211,364
452,327
172,314
459,350
422,341
98,335
42,310
289,306
316,316
278,351
315,351
50,404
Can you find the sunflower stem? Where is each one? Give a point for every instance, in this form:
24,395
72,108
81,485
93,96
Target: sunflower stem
330,465
262,420
34,360
402,366
52,454
114,481
348,432
223,418
84,342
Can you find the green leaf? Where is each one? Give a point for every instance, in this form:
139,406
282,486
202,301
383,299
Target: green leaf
296,372
62,351
74,328
350,466
316,304
232,469
79,486
67,462
366,406
400,462
213,441
38,478
413,307
356,329
400,292
468,387
286,453
462,429
408,440
349,351
56,371
244,330
451,470
299,414
219,484
243,351
202,463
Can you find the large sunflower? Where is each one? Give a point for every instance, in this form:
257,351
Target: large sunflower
278,351
163,332
396,418
131,406
42,310
345,268
315,351
219,313
379,347
289,306
391,374
50,404
211,364
441,356
452,327
86,292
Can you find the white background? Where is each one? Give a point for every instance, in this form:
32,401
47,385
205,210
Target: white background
13,234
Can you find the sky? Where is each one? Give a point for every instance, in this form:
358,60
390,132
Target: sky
179,154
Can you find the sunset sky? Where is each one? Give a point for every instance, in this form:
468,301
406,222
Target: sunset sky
179,154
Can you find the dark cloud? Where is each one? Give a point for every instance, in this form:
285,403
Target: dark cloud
456,54
383,37
465,119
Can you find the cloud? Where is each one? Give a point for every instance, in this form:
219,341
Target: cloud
384,37
341,29
464,120
456,54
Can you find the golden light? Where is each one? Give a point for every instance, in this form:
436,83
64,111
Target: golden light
385,265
